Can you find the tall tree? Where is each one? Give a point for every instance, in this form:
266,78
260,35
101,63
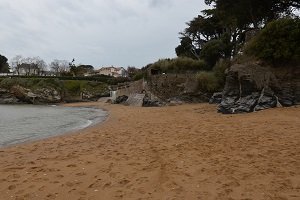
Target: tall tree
220,32
4,67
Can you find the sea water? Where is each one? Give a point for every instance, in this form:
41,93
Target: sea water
22,123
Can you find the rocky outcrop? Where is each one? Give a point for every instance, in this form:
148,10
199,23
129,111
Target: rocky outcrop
19,94
216,98
7,98
252,87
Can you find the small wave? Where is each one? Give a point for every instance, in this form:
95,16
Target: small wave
88,123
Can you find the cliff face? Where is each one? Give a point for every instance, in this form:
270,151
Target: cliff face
252,87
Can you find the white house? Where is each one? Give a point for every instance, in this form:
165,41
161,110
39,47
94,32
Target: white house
112,71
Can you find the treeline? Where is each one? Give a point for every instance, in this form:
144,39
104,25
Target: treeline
37,66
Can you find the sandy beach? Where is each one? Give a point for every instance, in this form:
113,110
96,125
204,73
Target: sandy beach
179,152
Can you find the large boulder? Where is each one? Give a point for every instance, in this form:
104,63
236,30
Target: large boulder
252,87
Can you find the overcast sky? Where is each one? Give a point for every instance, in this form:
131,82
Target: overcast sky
96,32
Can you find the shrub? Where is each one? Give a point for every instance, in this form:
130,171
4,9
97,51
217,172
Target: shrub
219,70
72,86
278,42
49,83
7,83
208,82
179,65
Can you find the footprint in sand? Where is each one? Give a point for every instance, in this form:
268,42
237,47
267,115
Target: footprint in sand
71,165
12,187
59,176
81,174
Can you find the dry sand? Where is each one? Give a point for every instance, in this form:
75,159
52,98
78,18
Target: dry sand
182,152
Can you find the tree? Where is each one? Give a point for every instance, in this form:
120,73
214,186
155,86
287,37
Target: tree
60,67
4,67
220,32
254,13
15,63
28,66
81,70
278,42
200,30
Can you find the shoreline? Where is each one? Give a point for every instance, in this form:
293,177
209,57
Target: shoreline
69,132
179,152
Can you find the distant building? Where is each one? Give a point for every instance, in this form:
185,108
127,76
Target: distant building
113,71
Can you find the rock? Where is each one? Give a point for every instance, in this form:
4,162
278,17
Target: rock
249,88
7,98
39,96
175,103
20,93
216,98
148,102
121,99
47,95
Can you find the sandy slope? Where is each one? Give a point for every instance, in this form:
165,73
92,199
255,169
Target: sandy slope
182,152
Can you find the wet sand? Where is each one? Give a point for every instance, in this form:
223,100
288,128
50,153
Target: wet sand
181,152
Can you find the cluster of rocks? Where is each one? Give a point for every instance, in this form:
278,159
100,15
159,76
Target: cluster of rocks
19,94
121,99
252,87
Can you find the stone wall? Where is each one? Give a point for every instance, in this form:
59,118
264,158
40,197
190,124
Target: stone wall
166,86
130,88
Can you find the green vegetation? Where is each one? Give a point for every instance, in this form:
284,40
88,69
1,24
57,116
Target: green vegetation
278,42
207,81
220,32
4,67
217,37
70,87
179,65
73,87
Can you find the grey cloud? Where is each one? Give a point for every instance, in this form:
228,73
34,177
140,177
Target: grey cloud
97,32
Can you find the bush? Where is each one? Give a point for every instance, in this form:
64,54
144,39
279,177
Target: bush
208,82
49,83
219,70
72,86
179,65
278,42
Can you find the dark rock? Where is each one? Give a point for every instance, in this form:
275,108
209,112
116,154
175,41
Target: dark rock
249,88
286,96
148,102
121,99
216,98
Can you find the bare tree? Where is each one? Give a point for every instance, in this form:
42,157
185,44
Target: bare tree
59,66
15,63
28,66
